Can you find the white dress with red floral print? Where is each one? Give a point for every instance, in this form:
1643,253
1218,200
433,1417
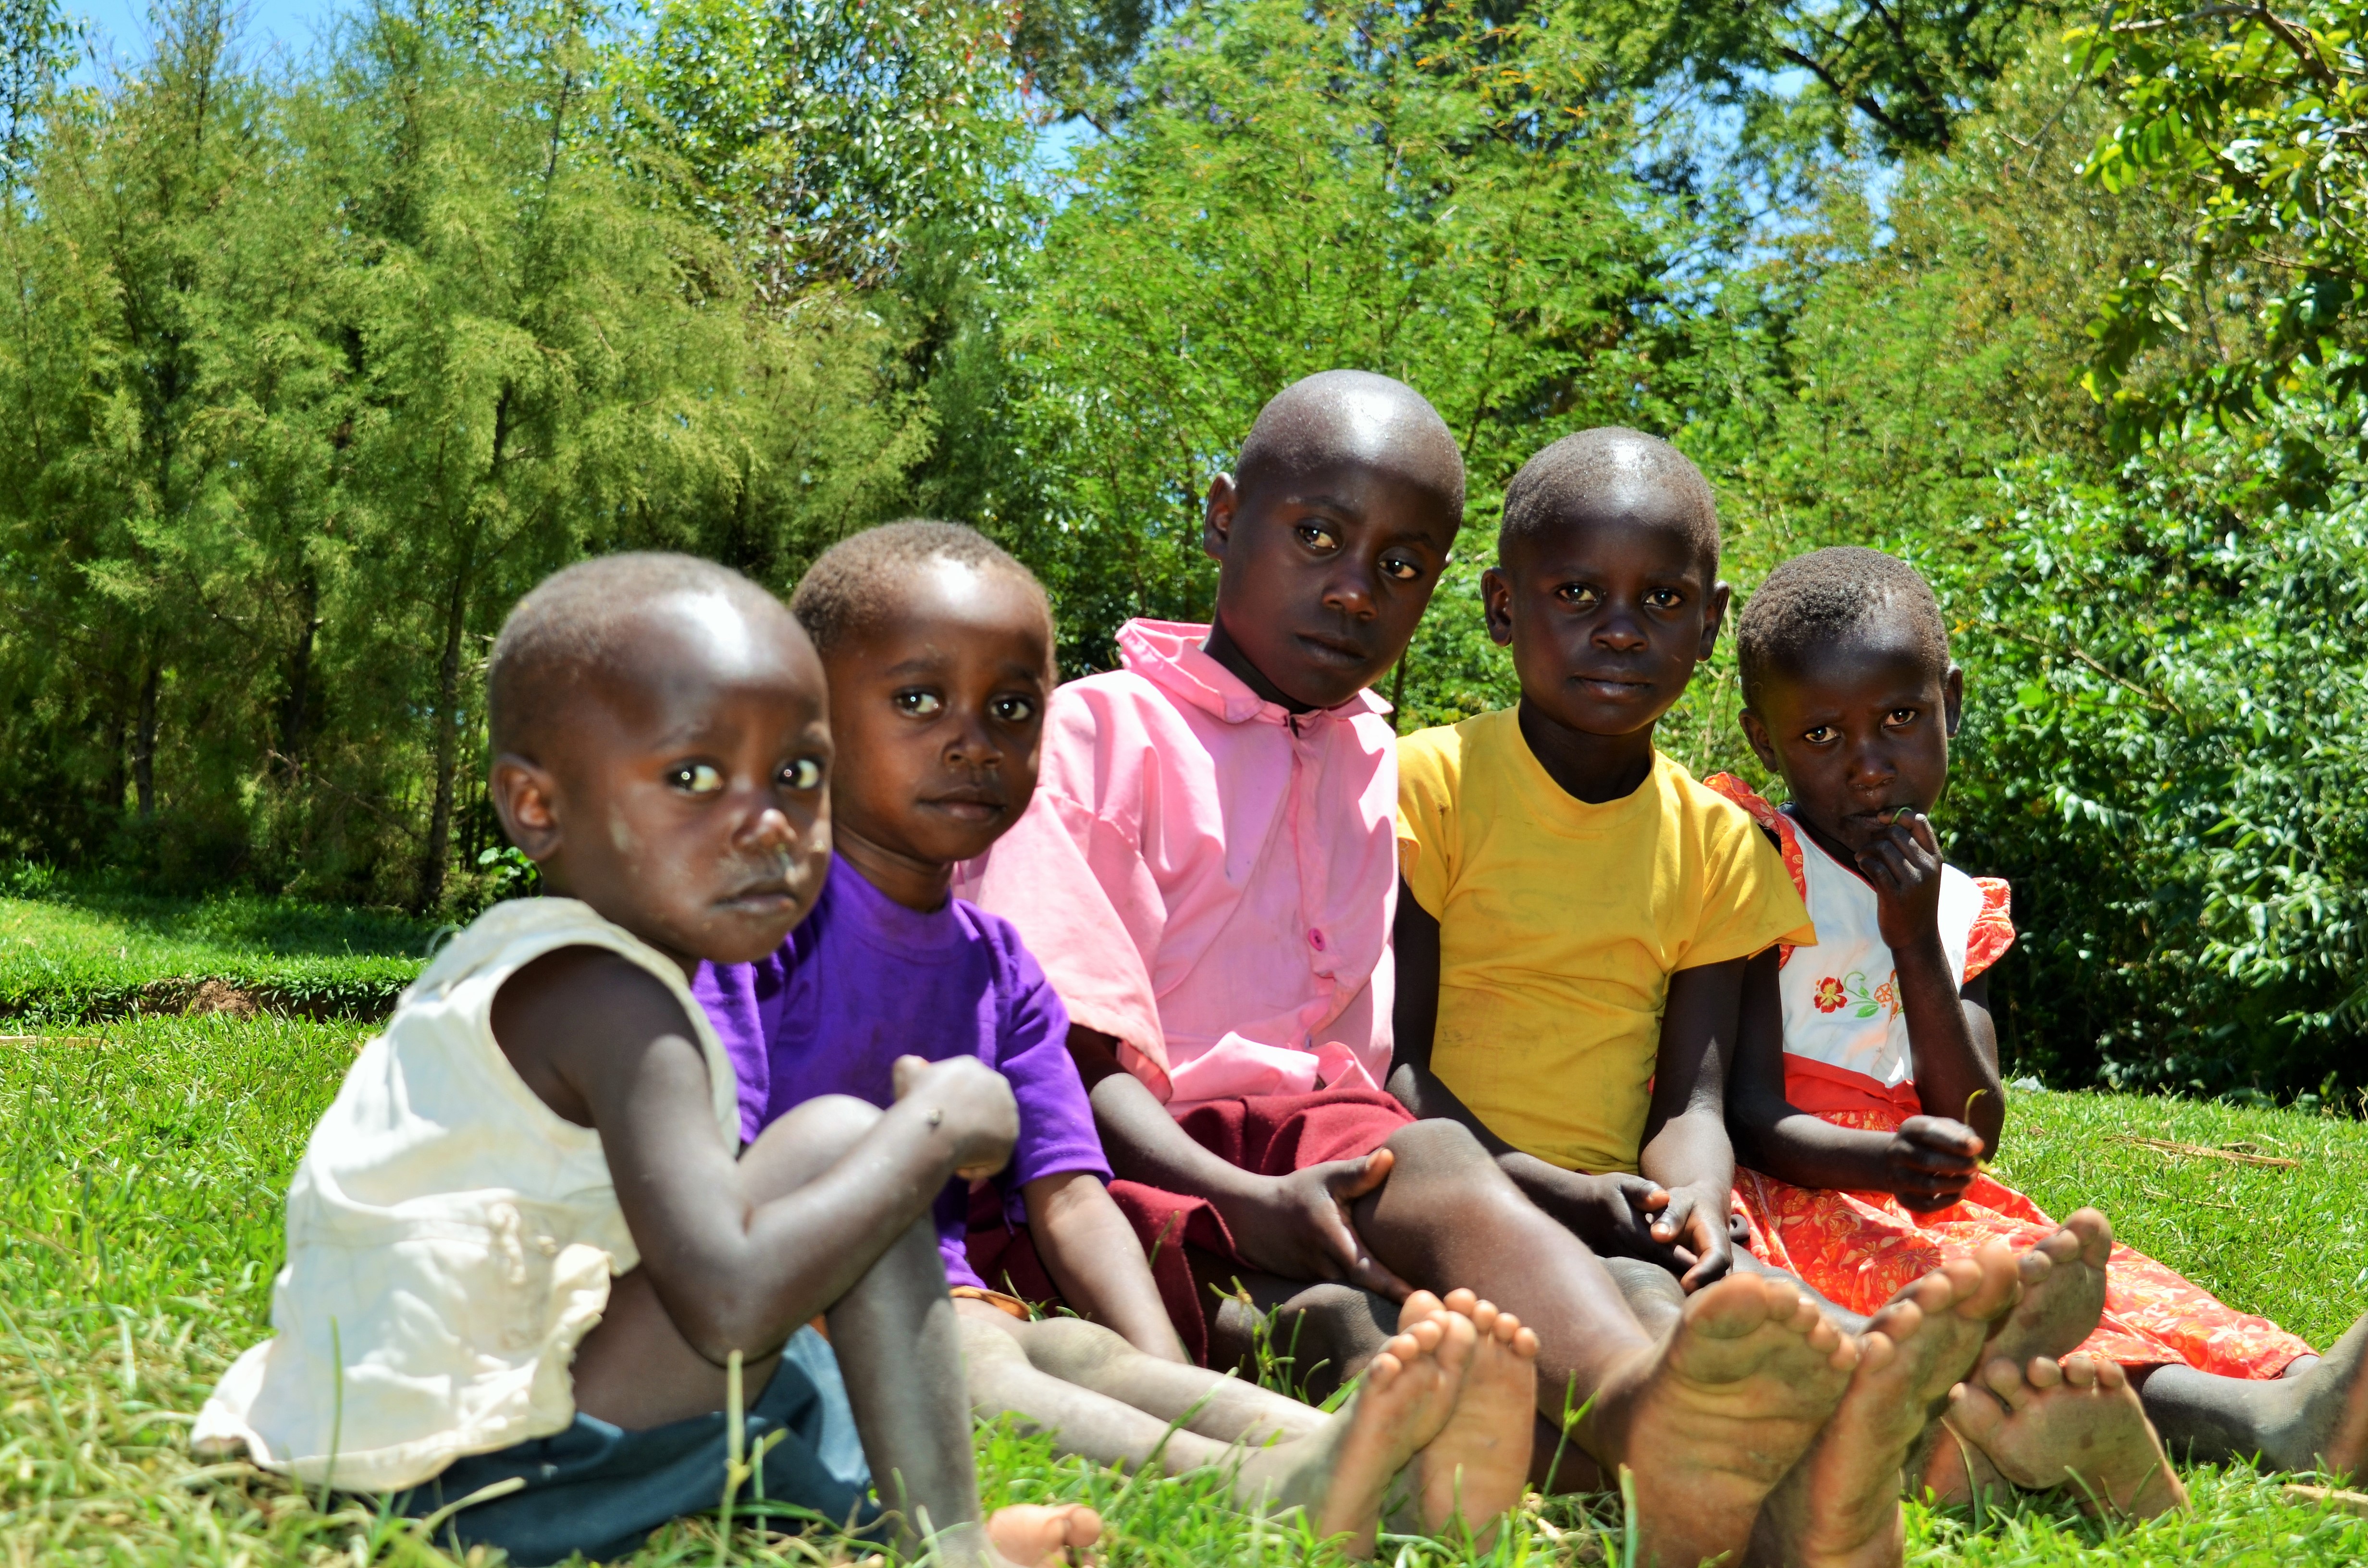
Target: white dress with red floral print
1847,1062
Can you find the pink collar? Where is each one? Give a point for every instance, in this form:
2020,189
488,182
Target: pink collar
1169,654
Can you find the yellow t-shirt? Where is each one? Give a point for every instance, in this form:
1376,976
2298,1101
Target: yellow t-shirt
1560,924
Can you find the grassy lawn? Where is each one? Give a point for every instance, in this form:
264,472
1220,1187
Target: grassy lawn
71,953
147,1156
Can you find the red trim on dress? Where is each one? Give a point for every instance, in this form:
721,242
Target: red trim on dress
1993,931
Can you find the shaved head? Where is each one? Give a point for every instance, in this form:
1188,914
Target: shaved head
1610,472
1352,416
589,629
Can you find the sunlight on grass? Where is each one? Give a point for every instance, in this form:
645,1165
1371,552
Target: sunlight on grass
139,1226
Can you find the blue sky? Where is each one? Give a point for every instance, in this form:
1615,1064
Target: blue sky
120,29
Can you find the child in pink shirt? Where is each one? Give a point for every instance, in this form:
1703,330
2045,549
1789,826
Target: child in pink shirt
1208,875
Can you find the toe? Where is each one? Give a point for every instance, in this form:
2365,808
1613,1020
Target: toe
1416,1307
2045,1374
1461,1299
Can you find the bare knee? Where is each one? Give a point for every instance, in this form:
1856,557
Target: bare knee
806,1141
1441,1147
1070,1348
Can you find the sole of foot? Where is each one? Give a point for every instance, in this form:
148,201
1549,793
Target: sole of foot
1341,1474
1839,1508
2327,1430
2062,1301
1472,1473
2075,1422
1709,1420
1037,1535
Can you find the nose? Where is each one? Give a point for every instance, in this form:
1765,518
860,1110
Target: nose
1350,589
973,743
1620,632
1871,766
772,830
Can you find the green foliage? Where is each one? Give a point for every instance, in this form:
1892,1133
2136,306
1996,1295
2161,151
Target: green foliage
2249,118
1427,195
140,1228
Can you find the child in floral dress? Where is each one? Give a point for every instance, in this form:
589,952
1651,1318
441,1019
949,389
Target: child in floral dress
1850,1183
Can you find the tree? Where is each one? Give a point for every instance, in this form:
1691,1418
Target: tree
1429,196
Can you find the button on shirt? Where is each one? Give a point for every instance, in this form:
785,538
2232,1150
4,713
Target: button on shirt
1208,877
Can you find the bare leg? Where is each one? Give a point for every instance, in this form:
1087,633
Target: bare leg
1321,1335
893,1333
1449,1218
1223,1406
1339,1472
1651,1292
1840,1507
2318,1420
2076,1424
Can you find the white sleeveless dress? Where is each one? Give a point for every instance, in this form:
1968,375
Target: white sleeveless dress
450,1238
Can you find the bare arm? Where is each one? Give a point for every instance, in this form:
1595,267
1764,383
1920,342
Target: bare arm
606,1046
1686,1148
1093,1256
1611,1213
1928,1163
1296,1226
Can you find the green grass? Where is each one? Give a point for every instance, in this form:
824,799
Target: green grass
73,953
141,1182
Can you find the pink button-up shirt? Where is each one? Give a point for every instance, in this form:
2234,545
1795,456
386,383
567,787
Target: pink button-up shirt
1208,877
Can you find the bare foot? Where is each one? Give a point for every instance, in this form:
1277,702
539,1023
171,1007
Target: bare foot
2074,1423
1037,1535
1840,1505
1710,1420
1340,1474
1475,1469
2326,1426
2062,1303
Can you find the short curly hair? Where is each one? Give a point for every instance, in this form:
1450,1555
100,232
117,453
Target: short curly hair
1580,469
1816,600
580,623
855,580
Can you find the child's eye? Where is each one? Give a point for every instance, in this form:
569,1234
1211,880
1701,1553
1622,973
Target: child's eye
1014,709
1821,734
1900,718
1318,539
697,779
802,774
1577,594
1665,598
1401,569
920,704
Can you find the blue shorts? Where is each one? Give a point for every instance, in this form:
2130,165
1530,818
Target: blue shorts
601,1490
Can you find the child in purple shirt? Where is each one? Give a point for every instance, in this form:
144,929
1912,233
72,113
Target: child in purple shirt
938,647
866,980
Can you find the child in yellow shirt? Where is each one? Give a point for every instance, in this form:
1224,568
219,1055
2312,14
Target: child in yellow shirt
1577,909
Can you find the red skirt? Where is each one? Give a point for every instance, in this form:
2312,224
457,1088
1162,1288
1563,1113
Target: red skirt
1860,1249
1271,1135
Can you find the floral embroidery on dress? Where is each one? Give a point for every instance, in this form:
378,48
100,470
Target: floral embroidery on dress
1835,993
1830,995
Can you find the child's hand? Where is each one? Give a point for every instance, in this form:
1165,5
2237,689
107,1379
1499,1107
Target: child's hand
1612,1213
970,1104
1298,1226
1904,864
1931,1161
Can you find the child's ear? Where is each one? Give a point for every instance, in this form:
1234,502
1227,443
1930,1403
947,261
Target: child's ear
525,797
1757,733
1497,604
1713,616
1217,516
1953,699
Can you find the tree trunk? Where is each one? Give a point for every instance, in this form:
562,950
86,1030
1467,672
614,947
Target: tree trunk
143,745
447,734
300,684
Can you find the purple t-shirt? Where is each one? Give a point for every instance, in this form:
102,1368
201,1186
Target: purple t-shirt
864,980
